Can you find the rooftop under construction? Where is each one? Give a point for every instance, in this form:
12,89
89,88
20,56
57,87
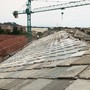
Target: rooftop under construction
56,62
59,61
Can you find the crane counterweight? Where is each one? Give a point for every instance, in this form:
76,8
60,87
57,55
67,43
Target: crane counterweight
15,14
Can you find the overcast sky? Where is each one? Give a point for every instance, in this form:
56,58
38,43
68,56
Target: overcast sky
73,17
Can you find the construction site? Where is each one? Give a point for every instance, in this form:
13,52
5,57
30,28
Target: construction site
45,58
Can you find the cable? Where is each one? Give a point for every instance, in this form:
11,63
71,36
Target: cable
47,0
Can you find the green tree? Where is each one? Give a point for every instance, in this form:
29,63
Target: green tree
15,31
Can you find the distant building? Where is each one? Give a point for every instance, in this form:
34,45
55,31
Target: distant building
22,28
6,27
10,26
36,30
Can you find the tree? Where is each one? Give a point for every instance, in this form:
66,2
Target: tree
15,31
1,31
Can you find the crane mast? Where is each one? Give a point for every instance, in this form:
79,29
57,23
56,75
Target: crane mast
28,12
62,6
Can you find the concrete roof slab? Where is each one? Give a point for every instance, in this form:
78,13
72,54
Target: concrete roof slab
72,72
23,84
67,62
85,74
40,73
5,82
84,60
32,66
12,84
27,73
37,85
53,64
54,72
58,85
3,75
79,85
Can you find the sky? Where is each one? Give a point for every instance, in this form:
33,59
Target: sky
73,17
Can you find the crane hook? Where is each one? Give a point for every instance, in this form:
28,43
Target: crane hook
62,13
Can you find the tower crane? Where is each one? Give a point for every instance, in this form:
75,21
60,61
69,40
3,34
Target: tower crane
62,6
